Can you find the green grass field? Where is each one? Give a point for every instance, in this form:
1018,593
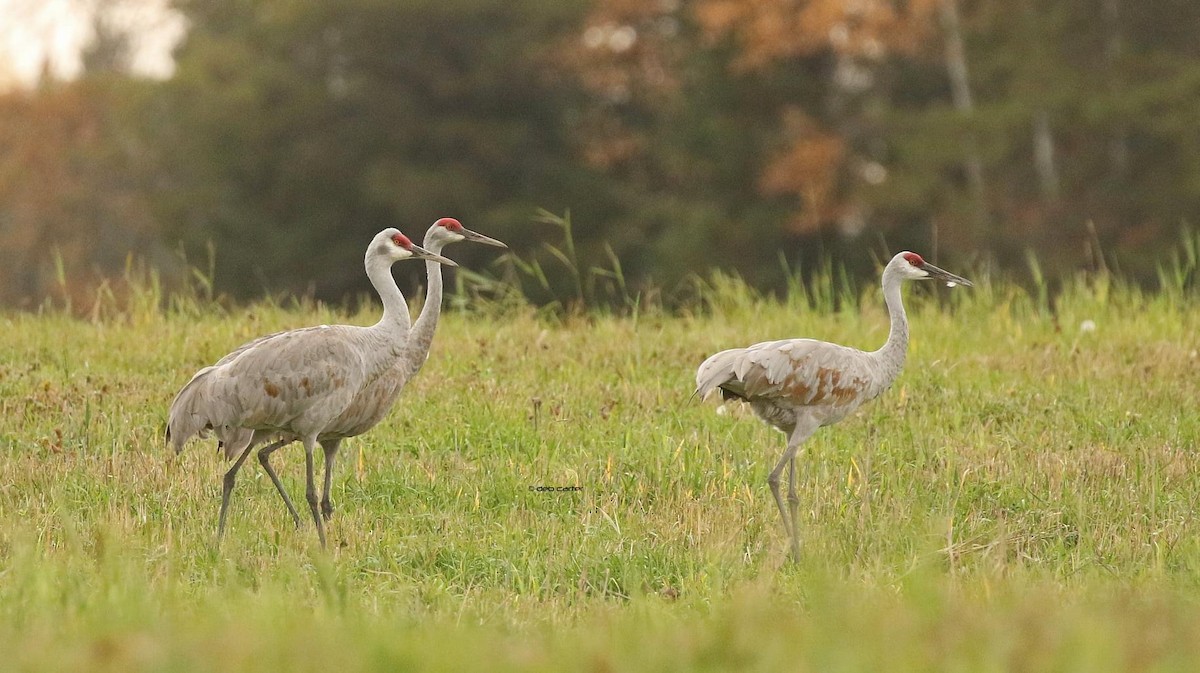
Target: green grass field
1022,499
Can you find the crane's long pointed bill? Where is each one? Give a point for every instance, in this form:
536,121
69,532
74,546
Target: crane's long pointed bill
945,276
422,253
477,237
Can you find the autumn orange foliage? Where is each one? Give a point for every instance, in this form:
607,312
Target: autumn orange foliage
813,161
71,189
808,167
768,30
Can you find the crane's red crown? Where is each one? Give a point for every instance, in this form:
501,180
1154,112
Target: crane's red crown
449,223
914,259
402,241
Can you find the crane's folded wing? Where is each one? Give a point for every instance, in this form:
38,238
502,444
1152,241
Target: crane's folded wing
803,371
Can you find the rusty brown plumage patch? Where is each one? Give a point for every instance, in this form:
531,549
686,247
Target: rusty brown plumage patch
827,388
306,385
271,389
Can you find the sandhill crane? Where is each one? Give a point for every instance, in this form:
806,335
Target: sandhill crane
297,382
799,385
375,400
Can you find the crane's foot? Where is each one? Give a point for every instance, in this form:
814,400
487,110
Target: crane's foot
794,556
794,520
316,516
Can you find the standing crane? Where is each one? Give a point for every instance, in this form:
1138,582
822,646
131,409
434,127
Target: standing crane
375,400
800,385
299,381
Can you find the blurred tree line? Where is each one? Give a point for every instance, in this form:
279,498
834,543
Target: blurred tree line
749,135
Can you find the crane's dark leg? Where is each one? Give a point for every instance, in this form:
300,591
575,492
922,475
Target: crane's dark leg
801,432
310,487
773,482
794,508
264,458
227,487
331,448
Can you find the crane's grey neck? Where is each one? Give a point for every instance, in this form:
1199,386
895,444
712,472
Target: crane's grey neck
395,310
894,351
421,337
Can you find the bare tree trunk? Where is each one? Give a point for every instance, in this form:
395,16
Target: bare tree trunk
1043,155
960,93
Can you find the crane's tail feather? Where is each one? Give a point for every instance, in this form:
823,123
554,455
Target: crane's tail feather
717,371
195,412
188,416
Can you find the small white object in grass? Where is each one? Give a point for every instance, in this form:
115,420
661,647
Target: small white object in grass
721,410
1087,326
951,283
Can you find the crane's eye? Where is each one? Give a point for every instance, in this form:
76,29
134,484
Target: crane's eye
914,259
402,241
450,224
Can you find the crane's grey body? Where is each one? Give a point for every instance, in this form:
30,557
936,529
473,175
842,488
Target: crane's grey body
299,381
800,385
291,381
372,400
785,380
